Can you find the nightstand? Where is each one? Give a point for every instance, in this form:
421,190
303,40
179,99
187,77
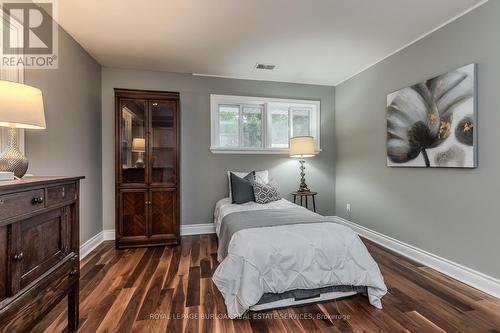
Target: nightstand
306,195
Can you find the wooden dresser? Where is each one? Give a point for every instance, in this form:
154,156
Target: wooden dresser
39,247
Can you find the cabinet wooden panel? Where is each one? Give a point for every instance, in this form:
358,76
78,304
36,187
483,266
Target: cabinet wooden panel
42,242
3,263
25,312
147,167
134,215
163,213
38,251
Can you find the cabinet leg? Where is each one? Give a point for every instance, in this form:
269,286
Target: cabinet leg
306,202
294,198
73,308
314,204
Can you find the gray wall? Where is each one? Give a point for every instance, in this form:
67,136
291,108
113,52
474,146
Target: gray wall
71,144
203,174
450,212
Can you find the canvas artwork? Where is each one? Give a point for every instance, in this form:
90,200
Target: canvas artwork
433,123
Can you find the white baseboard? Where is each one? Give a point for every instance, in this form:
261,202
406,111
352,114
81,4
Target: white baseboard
109,234
91,244
94,242
478,280
197,229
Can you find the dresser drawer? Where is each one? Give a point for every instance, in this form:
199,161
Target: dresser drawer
22,314
61,194
21,203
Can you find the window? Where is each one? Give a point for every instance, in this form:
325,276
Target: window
260,125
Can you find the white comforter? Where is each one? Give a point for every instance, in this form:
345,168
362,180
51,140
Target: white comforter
282,258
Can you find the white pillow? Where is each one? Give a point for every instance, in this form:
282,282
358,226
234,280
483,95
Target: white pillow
260,177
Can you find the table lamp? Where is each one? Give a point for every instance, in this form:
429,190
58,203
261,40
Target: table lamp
302,146
139,146
21,106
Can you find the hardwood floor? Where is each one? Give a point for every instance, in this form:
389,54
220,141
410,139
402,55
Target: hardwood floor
168,289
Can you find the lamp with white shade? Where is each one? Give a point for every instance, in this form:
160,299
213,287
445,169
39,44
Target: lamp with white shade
302,146
21,106
139,146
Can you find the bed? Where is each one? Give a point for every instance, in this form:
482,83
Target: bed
280,254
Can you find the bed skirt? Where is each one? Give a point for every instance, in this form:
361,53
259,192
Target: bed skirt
305,296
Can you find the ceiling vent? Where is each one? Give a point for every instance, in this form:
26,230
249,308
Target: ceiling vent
265,67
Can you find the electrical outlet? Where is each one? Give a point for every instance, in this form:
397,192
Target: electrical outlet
348,211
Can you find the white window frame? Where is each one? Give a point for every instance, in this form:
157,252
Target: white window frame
241,101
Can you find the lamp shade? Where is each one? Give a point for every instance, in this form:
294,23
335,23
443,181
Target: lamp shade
139,145
302,146
21,106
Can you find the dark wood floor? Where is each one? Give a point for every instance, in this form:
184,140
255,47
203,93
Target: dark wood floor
168,289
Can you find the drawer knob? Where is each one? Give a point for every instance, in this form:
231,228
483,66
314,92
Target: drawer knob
19,256
73,272
37,200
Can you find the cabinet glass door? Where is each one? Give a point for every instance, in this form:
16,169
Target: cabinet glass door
133,141
163,142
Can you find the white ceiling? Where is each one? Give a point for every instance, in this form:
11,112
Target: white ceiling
311,41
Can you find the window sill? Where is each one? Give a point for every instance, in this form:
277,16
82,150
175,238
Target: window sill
255,151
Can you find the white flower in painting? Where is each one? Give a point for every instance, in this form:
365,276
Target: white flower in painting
419,117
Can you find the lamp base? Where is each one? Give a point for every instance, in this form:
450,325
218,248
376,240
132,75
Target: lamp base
303,189
303,186
12,159
140,161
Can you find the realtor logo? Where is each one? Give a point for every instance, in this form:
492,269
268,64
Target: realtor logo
29,34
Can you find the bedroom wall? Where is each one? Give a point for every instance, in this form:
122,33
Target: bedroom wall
203,174
71,144
449,212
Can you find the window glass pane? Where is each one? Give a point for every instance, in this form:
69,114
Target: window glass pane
301,122
279,127
252,126
229,125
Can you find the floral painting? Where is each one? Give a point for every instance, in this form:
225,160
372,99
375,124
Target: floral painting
433,123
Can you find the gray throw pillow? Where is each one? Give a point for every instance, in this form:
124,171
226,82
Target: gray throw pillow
242,188
265,193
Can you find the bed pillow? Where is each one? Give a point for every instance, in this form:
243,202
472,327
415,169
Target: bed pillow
272,182
242,188
265,193
260,177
